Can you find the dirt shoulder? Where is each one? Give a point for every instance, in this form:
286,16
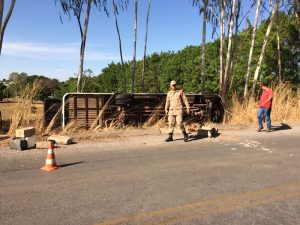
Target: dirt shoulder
124,140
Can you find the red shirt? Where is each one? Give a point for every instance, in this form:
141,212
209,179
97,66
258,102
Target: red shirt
264,97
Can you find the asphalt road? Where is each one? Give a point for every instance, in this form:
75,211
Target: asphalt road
244,179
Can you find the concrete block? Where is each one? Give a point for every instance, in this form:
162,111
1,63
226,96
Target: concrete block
18,144
31,141
25,132
64,140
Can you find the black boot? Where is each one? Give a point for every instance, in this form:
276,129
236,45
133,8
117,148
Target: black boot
185,136
170,138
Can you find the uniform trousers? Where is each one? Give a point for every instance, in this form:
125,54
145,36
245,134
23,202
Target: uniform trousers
173,120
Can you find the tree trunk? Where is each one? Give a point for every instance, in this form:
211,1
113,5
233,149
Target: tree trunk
1,12
222,26
262,53
134,45
145,47
232,63
82,48
120,47
278,55
4,24
205,2
229,49
297,6
251,49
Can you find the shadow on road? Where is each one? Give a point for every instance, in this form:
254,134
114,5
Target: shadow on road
70,164
283,126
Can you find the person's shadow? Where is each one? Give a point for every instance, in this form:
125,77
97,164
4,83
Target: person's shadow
283,126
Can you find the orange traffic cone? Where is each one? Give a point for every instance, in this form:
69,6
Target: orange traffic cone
50,161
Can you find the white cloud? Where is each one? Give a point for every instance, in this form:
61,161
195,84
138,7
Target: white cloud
56,60
17,48
57,51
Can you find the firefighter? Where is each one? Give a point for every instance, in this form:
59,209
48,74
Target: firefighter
174,110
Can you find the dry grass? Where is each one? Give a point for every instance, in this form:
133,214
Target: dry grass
70,128
52,122
25,113
7,109
285,108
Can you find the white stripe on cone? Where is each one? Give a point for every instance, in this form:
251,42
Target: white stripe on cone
50,161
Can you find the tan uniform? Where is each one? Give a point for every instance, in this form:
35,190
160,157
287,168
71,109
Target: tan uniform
174,107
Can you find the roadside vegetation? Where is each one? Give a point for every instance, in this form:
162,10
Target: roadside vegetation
286,107
28,112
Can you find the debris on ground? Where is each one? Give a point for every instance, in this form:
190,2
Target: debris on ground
3,137
25,132
207,131
60,139
25,139
42,144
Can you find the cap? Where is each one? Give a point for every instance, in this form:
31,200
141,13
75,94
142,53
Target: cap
173,82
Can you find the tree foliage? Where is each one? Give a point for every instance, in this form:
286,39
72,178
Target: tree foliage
18,82
183,65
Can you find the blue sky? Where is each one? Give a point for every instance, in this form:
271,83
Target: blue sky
36,42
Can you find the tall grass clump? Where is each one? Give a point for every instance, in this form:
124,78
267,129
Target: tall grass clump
25,112
285,107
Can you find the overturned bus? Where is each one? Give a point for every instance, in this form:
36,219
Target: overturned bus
101,109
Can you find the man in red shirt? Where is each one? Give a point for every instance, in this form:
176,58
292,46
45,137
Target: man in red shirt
265,107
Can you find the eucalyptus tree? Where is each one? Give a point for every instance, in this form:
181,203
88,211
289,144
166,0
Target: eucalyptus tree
115,10
224,12
202,9
145,47
6,19
222,6
229,50
261,57
278,48
235,45
134,45
296,6
215,10
258,5
76,8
